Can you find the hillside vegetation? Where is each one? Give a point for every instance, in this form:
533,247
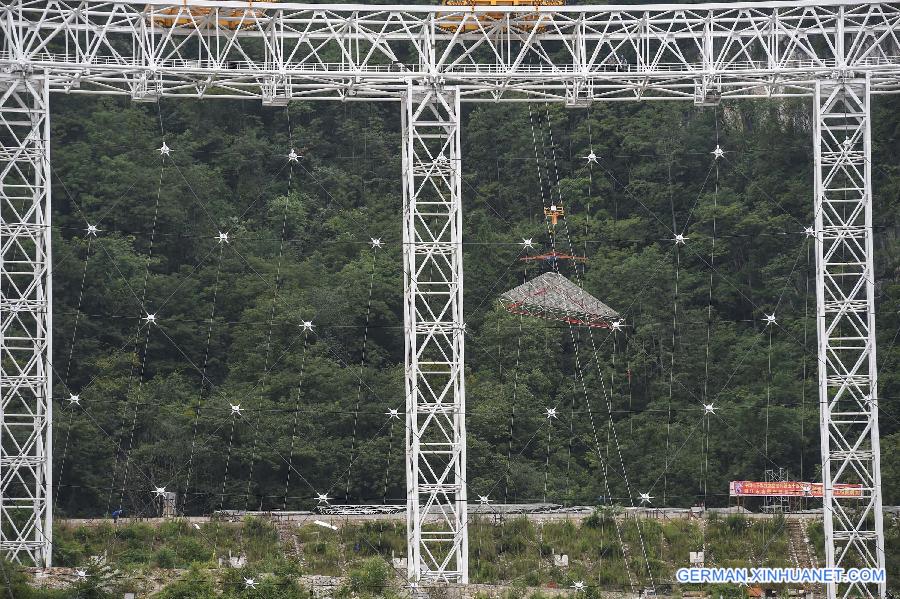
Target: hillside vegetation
156,400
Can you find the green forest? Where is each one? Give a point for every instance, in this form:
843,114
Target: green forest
154,397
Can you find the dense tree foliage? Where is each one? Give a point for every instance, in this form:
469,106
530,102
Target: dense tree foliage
155,399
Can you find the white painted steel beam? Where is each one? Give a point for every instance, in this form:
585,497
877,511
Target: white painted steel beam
845,315
25,321
435,331
356,52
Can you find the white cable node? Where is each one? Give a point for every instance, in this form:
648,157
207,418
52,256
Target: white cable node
527,243
293,156
709,408
150,318
718,152
393,413
322,498
307,325
680,239
377,244
770,319
74,399
164,150
646,498
236,409
551,413
92,230
250,583
159,491
810,231
222,237
484,499
592,158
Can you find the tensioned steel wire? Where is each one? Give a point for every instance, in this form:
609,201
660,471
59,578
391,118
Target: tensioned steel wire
579,374
271,324
362,367
200,398
552,237
515,391
357,413
295,422
72,342
704,490
146,317
579,370
135,340
675,281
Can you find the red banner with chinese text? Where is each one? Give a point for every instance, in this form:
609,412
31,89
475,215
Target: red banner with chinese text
750,488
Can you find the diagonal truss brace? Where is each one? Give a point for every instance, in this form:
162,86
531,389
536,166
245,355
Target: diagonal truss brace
25,320
578,54
845,290
433,320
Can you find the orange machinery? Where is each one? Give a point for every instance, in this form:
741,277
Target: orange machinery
490,20
223,18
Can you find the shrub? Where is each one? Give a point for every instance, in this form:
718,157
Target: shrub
736,524
193,585
165,558
190,550
370,577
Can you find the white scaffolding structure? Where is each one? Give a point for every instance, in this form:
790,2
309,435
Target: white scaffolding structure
25,320
433,320
845,314
430,58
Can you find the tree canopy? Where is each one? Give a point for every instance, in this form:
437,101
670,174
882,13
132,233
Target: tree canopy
155,398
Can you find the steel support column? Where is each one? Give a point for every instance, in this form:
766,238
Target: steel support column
845,314
434,326
25,320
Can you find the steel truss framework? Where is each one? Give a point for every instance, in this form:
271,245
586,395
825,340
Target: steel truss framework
433,319
280,51
845,296
25,320
431,58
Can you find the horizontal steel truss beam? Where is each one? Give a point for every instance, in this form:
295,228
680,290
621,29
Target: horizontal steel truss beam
845,293
280,51
433,321
25,321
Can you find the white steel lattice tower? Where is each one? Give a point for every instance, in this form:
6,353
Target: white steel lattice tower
704,53
25,321
433,319
846,330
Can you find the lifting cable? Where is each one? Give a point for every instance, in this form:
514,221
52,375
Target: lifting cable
73,399
579,375
809,250
704,489
287,479
512,411
144,318
362,367
306,330
235,414
674,332
271,326
203,378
